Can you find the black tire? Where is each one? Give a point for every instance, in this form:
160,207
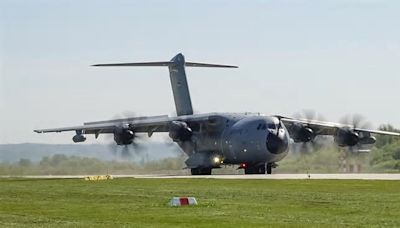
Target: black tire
260,169
269,168
201,171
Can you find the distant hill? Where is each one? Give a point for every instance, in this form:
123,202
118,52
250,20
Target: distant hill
35,152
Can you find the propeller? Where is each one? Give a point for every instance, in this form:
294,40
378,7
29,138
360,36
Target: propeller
309,115
353,122
307,142
172,146
125,142
181,133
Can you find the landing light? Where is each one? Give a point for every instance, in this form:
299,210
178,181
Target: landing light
217,160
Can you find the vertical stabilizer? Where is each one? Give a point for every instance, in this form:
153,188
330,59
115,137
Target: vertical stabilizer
180,88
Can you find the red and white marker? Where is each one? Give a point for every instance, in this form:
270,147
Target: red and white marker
182,201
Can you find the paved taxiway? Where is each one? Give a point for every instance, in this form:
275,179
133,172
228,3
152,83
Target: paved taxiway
341,176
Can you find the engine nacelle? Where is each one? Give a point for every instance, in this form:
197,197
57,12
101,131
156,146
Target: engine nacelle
346,137
368,140
180,131
302,133
124,136
78,138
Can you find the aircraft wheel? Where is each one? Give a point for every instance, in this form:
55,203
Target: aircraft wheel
201,171
269,168
260,169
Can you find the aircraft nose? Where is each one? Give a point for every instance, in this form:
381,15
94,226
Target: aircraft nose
277,141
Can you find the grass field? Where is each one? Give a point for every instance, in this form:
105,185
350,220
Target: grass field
222,203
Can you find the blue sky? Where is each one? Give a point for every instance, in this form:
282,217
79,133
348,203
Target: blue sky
337,57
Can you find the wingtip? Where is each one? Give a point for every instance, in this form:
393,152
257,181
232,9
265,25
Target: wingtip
229,66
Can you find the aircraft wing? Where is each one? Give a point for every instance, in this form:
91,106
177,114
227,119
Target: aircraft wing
329,128
138,124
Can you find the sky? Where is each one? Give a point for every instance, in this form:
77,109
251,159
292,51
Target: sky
336,57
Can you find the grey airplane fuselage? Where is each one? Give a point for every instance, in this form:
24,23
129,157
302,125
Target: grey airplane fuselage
241,139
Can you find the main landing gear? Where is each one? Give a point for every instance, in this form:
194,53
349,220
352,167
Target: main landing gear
269,168
201,171
265,168
260,169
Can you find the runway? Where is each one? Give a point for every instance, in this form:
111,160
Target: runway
339,176
289,177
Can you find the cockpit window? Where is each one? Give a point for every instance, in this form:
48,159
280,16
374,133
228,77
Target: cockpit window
263,126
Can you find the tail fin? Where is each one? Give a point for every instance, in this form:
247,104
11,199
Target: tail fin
177,75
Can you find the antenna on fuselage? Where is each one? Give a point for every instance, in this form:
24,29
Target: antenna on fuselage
177,74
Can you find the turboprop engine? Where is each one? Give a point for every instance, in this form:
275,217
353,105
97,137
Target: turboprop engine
180,131
123,136
348,137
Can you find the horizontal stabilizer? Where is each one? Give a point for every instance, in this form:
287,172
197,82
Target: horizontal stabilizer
169,63
192,64
137,64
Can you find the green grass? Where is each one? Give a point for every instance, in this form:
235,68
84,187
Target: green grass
222,203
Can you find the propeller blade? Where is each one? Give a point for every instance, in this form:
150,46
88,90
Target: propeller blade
309,115
128,150
356,121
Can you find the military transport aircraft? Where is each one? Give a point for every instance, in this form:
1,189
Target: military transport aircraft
252,141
